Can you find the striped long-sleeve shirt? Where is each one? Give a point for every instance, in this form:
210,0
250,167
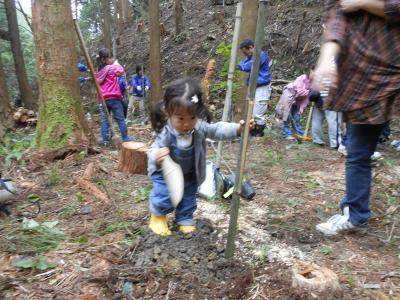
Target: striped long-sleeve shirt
368,90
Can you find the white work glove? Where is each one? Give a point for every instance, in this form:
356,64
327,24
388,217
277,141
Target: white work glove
139,88
146,87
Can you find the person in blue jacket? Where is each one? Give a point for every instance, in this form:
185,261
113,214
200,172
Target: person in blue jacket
123,87
82,68
140,85
263,90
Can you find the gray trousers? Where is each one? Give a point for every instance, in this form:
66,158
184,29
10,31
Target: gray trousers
334,120
136,103
263,93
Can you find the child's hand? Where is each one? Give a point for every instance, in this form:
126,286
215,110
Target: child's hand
252,125
161,154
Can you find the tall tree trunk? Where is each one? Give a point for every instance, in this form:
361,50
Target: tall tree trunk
126,11
24,87
106,24
248,31
6,120
178,17
61,123
118,15
155,62
116,28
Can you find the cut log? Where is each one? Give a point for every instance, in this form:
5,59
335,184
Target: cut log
308,277
88,171
85,182
92,189
133,158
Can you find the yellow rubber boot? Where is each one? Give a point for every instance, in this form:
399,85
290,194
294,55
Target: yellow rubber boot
159,225
187,228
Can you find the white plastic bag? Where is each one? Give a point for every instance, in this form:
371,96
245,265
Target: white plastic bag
209,188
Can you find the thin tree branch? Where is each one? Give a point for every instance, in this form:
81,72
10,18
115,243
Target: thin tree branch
27,18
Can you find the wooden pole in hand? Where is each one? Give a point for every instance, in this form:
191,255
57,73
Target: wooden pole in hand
231,72
261,21
93,73
306,137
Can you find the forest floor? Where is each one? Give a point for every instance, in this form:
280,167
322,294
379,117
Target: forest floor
83,248
102,249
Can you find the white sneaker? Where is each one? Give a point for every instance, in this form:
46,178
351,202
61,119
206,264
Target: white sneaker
342,149
396,144
338,223
376,156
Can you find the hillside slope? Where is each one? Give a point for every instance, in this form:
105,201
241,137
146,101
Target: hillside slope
207,25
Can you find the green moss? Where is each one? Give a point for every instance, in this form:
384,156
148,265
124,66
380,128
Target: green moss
55,123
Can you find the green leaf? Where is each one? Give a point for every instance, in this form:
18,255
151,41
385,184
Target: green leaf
24,263
50,225
33,197
325,249
29,224
43,264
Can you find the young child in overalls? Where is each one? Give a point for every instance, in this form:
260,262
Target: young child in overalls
181,133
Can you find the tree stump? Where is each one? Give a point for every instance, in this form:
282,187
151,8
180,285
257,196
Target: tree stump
308,277
133,158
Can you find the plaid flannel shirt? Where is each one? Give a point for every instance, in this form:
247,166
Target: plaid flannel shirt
368,90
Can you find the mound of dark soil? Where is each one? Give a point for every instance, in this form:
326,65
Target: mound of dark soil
200,253
188,264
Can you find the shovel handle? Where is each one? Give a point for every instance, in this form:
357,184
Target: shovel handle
93,74
305,136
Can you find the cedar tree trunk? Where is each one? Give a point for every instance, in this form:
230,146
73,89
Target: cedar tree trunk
61,123
107,40
155,62
6,120
178,17
13,30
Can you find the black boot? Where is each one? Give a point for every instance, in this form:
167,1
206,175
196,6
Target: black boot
258,131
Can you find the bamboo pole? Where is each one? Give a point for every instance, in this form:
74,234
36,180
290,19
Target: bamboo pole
235,203
93,73
232,64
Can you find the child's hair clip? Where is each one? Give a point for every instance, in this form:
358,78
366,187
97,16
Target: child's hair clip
194,99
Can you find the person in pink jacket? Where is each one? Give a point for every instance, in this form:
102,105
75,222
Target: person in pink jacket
107,75
299,90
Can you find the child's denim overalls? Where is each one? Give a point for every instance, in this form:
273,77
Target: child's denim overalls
160,203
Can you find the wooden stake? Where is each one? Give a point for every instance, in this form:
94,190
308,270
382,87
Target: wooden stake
235,203
231,71
205,83
306,137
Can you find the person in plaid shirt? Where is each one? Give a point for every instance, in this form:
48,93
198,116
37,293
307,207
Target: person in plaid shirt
359,65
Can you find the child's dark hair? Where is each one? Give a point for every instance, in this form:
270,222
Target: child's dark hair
139,68
104,53
247,43
180,94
